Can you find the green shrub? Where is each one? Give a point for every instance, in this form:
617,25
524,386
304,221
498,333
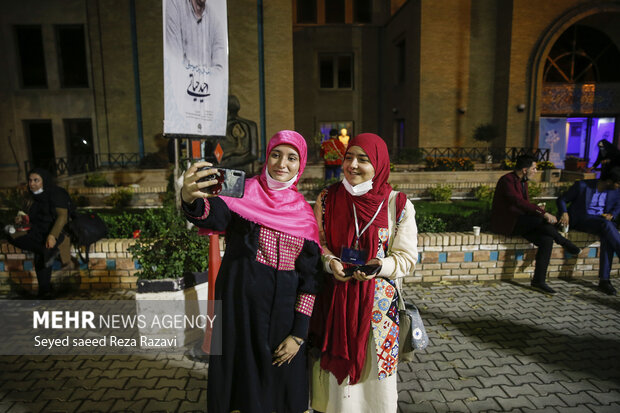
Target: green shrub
152,222
174,253
430,223
120,199
457,216
13,199
96,179
440,193
484,193
534,190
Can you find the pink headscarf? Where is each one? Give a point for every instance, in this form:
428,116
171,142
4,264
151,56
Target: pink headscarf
286,210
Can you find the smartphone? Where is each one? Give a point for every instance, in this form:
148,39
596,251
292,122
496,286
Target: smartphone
230,182
366,269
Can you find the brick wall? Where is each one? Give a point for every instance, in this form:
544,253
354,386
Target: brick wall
455,256
109,266
460,256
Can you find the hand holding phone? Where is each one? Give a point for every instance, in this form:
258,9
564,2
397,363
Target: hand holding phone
230,182
192,188
368,269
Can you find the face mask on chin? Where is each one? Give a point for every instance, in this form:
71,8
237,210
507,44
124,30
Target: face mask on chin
277,185
38,191
359,189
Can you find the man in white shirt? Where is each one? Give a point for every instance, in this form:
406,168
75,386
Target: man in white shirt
194,33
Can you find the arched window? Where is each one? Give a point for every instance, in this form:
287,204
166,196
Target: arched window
583,54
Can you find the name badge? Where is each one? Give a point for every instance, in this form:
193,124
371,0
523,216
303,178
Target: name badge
354,256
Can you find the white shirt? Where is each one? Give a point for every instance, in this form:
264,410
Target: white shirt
199,41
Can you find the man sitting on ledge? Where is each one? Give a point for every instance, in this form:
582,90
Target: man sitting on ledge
594,206
513,214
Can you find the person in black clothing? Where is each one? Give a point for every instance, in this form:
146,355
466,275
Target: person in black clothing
267,282
608,157
47,211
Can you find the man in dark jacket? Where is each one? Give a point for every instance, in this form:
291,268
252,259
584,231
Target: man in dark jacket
594,206
513,214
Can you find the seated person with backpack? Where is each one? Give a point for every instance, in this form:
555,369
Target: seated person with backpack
40,228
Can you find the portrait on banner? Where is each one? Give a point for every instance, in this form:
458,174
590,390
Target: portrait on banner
195,67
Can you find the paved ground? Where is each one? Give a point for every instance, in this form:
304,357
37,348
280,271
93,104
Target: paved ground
494,347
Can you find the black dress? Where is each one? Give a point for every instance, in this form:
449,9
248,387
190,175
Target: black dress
265,281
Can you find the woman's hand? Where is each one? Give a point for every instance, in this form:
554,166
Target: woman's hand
51,241
338,270
360,276
564,219
286,350
191,188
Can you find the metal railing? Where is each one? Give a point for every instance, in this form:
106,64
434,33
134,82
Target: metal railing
87,163
477,153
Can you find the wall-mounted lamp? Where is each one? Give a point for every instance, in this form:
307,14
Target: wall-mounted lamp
462,110
520,107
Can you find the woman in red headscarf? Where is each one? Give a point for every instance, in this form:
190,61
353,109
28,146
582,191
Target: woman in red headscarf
355,322
266,283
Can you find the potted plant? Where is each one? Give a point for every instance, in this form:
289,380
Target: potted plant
549,172
573,163
171,261
172,279
486,133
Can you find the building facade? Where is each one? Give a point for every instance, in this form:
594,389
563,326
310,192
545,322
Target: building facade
84,77
427,73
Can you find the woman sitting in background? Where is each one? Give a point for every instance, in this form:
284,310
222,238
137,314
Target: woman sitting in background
40,228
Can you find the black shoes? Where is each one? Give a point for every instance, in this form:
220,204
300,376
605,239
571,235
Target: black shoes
45,295
606,287
543,287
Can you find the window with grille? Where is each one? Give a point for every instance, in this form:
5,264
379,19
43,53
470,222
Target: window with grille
583,54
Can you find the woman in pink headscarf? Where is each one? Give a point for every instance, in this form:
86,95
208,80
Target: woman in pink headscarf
267,282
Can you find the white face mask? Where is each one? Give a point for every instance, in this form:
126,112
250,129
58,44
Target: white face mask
38,191
359,189
277,185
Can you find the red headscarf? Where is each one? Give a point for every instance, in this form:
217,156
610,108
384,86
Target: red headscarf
286,210
349,304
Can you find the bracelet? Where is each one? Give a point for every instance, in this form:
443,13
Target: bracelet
299,341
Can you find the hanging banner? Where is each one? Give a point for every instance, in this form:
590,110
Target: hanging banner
195,67
553,137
